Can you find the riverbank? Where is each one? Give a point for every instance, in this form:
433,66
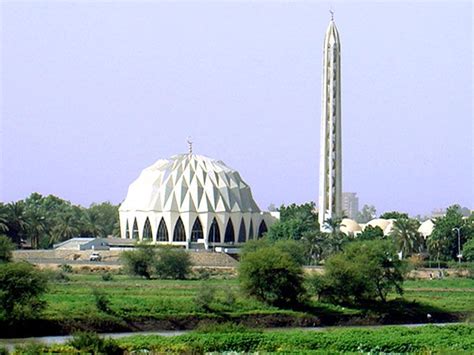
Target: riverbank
457,338
134,304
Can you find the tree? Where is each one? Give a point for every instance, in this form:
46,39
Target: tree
105,215
468,250
365,271
272,276
21,286
295,221
444,240
172,263
140,262
3,218
17,222
405,235
65,228
371,233
367,213
394,215
6,248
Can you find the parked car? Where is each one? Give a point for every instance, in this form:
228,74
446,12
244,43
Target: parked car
95,257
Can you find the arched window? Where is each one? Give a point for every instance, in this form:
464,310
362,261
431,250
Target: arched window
242,231
162,234
135,229
196,232
229,233
214,232
127,231
262,229
251,230
179,234
147,234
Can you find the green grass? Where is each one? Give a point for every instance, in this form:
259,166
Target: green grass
440,339
133,298
449,295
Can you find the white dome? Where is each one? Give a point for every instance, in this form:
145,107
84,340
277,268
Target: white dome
189,183
426,228
379,222
349,226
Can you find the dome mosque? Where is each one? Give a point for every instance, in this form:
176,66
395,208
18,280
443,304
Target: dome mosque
190,200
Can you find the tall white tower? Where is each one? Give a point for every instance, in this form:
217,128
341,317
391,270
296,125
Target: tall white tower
330,180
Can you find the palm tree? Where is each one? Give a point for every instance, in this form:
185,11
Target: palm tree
406,236
36,228
17,221
65,228
335,237
3,218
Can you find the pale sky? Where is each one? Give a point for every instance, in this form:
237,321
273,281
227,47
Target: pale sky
94,92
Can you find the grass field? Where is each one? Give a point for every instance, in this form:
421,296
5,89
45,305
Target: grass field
134,298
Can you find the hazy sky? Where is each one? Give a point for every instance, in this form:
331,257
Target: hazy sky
94,92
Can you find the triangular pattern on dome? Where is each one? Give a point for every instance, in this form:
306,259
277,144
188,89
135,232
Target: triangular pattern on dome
210,185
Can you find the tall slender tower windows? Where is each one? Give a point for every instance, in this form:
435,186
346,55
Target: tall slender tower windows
330,177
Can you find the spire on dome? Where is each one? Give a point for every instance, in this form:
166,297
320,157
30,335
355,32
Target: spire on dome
190,145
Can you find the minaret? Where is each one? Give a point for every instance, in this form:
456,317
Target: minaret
330,184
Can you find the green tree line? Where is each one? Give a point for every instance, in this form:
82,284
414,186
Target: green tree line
45,220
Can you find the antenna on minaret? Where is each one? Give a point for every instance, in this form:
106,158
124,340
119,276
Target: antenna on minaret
190,145
331,11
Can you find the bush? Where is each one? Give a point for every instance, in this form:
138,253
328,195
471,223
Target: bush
107,276
88,342
172,263
6,248
21,286
272,276
140,262
205,297
363,272
65,268
56,276
102,302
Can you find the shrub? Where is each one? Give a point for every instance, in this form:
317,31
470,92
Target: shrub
139,262
272,276
102,302
56,276
107,276
205,297
21,286
6,248
88,342
65,268
3,351
172,264
363,272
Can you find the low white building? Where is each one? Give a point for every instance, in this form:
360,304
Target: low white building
190,200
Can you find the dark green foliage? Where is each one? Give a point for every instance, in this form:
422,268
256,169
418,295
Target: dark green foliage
468,251
65,268
371,233
88,342
6,248
21,286
443,242
3,351
363,272
140,262
44,220
102,302
394,215
173,264
56,276
107,276
272,276
30,349
295,222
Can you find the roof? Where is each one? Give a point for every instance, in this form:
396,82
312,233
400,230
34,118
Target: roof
189,183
